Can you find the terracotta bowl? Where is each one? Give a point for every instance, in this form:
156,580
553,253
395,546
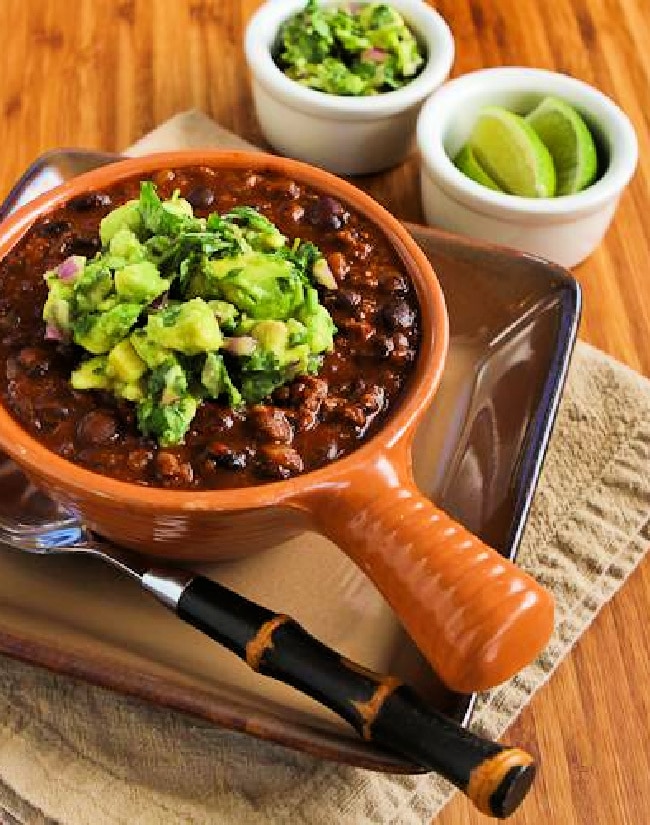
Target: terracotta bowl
475,616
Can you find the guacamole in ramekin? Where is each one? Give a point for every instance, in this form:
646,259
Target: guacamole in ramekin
350,49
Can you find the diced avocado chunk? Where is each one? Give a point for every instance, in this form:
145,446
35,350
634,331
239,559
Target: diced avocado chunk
245,326
259,285
124,364
168,382
168,409
125,248
279,339
261,374
92,287
149,351
167,423
108,303
132,391
259,231
91,374
297,359
175,385
140,282
226,314
273,336
57,309
205,281
163,218
178,206
100,332
126,216
297,332
217,382
320,329
189,328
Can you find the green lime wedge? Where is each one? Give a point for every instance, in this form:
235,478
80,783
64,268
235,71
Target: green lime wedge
468,165
512,154
568,139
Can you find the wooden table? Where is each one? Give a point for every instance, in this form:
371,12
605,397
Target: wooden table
100,73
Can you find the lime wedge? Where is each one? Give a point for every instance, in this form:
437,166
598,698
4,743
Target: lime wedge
512,154
468,165
570,143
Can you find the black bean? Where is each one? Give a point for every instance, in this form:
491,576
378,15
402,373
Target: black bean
201,197
83,246
52,229
393,281
348,299
97,427
89,200
224,456
398,315
48,415
383,346
327,212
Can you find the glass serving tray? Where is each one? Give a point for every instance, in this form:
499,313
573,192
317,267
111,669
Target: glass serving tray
479,452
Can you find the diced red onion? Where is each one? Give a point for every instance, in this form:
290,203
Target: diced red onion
323,274
374,55
71,268
241,345
53,333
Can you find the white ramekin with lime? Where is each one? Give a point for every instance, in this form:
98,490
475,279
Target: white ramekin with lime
525,158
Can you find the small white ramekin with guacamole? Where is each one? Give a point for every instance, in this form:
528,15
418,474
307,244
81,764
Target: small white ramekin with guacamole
340,84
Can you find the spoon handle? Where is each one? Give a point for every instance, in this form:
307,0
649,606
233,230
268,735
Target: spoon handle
380,708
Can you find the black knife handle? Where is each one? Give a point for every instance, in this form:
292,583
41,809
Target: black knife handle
380,708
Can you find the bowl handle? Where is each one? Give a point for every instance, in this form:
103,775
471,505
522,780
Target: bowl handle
476,617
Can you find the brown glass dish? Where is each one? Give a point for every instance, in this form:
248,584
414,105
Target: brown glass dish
513,323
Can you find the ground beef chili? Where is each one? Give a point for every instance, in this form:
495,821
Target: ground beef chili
305,425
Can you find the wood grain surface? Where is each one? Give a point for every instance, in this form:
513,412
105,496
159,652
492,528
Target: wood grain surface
100,73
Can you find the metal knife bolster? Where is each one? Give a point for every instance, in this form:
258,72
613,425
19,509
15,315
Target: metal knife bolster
167,585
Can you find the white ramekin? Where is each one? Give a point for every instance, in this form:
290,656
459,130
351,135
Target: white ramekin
346,135
563,229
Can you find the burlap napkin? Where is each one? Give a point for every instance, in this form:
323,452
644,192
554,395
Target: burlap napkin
79,755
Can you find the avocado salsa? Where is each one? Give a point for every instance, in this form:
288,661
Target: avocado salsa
204,329
354,49
170,294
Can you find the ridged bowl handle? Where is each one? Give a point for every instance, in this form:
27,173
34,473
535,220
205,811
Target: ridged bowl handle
476,617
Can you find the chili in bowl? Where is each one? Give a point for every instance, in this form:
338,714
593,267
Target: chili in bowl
203,352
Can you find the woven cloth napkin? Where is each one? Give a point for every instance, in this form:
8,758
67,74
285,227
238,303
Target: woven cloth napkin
74,754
